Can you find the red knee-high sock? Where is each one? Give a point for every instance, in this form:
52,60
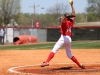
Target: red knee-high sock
51,55
76,61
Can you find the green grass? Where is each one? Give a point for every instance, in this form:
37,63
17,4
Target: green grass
75,45
27,47
86,45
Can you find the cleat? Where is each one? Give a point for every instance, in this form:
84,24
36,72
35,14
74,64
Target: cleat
44,64
82,66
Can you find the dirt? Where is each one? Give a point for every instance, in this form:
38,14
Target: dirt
27,62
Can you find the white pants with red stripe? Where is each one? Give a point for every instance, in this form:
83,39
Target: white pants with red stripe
66,41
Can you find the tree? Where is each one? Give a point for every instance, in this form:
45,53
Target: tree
1,19
9,9
58,9
93,9
80,17
55,12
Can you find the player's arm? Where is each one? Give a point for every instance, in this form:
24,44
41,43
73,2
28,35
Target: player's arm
73,9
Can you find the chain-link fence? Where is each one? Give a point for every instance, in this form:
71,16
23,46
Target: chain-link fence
14,32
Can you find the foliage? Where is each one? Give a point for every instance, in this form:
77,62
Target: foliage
80,17
25,19
48,19
93,10
9,9
92,17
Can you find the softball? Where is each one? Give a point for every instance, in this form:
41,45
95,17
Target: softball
70,1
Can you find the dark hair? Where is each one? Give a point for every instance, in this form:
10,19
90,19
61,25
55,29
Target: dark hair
69,16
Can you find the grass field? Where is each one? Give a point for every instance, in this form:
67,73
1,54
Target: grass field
75,45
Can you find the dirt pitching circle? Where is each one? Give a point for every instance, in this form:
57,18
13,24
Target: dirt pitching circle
54,69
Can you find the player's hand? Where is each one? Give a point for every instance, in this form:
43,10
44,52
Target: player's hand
71,2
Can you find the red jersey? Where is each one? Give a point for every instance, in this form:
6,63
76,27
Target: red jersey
66,28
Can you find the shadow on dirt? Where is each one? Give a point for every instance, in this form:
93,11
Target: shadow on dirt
63,68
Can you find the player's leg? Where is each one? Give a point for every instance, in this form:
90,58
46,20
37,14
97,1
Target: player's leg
69,53
55,49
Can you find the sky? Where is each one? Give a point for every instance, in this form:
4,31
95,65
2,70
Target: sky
26,5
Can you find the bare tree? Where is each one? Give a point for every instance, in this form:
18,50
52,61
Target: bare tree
8,9
58,9
55,12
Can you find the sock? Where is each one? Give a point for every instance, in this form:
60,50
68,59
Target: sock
51,55
76,61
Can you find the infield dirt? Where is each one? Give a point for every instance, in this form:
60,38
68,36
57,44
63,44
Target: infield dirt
59,65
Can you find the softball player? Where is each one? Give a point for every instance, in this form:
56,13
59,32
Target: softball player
65,39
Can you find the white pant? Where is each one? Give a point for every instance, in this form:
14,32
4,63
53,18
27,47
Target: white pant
66,41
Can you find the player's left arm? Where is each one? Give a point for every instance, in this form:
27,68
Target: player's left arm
73,14
73,9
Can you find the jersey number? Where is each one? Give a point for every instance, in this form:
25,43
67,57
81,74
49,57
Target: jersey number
69,29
